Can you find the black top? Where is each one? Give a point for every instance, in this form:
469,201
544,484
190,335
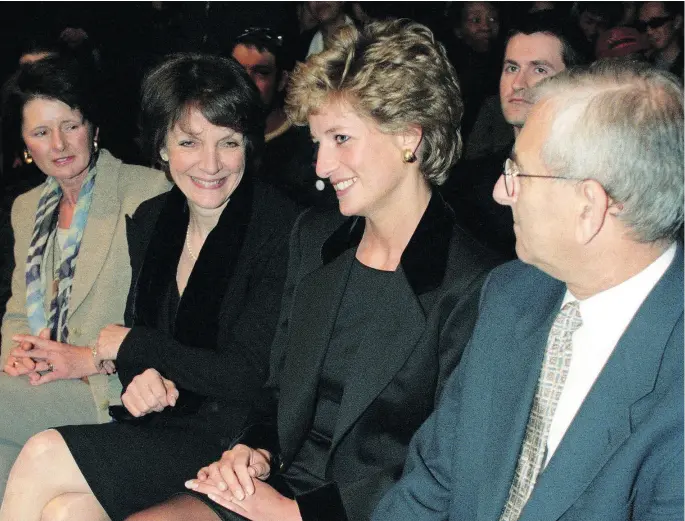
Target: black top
356,310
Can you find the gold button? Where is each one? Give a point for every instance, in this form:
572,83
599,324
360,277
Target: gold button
104,405
76,331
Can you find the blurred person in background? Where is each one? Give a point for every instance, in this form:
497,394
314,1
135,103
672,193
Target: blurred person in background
288,159
662,23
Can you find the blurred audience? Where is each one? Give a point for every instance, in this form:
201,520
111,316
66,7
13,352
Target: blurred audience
474,48
329,17
621,41
538,47
591,18
662,22
288,160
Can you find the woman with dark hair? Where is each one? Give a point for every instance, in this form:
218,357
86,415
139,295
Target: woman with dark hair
209,261
70,255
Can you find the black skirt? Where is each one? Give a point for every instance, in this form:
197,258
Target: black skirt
130,467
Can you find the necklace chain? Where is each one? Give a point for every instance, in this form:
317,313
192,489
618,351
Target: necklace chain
190,251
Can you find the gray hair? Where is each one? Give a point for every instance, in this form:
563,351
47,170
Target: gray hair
620,122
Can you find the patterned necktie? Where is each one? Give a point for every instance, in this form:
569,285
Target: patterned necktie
553,375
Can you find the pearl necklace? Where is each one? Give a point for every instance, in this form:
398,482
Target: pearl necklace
190,251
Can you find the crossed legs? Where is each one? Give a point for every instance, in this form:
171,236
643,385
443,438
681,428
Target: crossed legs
45,484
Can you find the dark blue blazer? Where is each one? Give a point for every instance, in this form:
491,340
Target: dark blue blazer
622,456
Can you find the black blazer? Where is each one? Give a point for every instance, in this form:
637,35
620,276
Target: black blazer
218,352
401,364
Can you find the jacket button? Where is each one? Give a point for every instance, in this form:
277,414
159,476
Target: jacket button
104,405
76,331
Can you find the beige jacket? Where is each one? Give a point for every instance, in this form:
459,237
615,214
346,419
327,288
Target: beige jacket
103,271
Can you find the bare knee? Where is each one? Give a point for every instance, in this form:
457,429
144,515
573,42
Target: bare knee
58,509
73,507
42,446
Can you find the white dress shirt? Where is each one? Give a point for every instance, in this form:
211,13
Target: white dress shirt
606,316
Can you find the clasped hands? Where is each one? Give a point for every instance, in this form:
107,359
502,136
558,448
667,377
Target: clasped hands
236,482
44,360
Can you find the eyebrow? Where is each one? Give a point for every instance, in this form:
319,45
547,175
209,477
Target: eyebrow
532,62
335,130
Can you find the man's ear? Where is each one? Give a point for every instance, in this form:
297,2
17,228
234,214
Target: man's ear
593,204
677,22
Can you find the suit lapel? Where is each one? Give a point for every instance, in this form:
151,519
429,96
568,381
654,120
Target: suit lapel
313,316
602,423
389,339
99,231
513,397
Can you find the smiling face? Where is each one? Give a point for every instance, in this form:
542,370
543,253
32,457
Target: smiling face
363,164
58,139
529,58
205,161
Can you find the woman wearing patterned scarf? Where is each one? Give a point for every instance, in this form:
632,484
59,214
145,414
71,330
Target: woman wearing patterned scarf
71,256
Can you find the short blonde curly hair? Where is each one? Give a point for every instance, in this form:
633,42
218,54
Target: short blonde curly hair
395,73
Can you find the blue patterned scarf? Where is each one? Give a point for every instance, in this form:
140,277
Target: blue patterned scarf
46,220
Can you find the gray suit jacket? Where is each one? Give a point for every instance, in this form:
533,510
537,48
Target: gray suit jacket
622,456
103,271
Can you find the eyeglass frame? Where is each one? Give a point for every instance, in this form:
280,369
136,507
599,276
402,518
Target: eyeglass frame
653,23
512,170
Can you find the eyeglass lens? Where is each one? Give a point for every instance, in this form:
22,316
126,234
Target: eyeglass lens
654,23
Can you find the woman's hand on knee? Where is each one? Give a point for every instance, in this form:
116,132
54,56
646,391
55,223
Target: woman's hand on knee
234,472
149,392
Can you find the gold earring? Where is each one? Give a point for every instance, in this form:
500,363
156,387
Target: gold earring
164,155
27,157
408,156
95,145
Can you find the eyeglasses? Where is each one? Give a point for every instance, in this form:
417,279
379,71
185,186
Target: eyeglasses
512,172
263,33
654,23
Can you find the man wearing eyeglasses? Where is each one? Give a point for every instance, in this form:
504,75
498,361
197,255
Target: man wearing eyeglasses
662,23
568,402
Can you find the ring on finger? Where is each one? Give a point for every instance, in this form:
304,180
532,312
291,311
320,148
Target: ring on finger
51,367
